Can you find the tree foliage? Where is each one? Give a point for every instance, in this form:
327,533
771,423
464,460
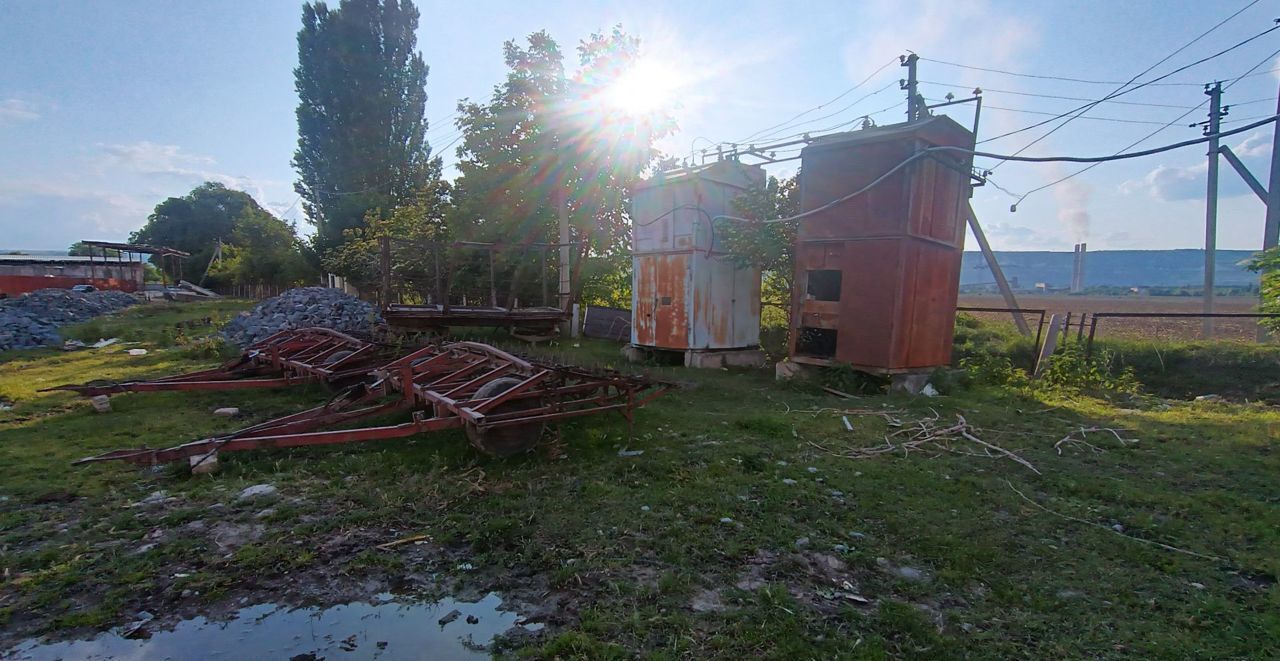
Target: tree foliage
413,226
1267,263
546,137
257,246
361,124
769,246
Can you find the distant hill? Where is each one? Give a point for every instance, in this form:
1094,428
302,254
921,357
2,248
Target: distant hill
1115,268
24,251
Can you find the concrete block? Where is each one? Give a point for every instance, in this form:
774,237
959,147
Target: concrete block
724,358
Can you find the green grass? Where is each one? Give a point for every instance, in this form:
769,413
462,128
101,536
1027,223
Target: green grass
629,543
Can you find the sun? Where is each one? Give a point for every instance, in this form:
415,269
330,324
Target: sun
644,88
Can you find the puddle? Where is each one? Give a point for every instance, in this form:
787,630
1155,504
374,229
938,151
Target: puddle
385,629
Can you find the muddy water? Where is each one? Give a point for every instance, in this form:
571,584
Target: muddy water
385,628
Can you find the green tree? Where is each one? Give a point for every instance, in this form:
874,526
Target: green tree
211,214
412,227
544,138
1267,263
361,124
767,245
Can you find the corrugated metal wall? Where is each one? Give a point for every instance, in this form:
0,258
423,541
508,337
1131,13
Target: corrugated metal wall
894,251
686,295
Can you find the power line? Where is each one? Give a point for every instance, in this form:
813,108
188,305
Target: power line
1122,89
822,105
987,90
1152,134
774,136
1136,87
929,151
1054,114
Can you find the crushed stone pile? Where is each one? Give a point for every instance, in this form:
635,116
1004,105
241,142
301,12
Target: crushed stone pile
301,308
32,320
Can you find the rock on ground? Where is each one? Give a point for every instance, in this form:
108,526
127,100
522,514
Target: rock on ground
32,320
301,308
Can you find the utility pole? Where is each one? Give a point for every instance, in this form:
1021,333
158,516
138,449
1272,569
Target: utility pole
564,251
910,85
1211,202
1271,233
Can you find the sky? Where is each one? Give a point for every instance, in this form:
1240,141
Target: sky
107,108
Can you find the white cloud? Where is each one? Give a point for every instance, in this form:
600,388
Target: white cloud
13,111
170,161
1187,182
1019,237
957,31
1258,144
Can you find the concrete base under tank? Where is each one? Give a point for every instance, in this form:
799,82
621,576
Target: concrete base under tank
702,359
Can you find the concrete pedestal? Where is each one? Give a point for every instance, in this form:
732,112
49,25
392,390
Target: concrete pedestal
749,357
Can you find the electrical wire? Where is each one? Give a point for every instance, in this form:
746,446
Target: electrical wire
991,90
842,124
774,137
1124,89
822,105
1097,119
1139,86
1150,135
930,151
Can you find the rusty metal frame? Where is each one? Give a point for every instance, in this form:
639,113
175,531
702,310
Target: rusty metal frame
439,385
283,359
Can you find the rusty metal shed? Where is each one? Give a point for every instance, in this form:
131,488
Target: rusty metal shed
877,275
687,295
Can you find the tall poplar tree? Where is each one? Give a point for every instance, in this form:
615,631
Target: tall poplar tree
361,113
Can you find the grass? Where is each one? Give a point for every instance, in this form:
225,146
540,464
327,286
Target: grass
627,545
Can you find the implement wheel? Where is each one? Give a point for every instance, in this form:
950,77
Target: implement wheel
510,440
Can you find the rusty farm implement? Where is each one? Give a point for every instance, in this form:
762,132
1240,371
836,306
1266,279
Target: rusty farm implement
502,402
286,358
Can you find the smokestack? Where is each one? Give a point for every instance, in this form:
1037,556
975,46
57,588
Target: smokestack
1077,268
1080,278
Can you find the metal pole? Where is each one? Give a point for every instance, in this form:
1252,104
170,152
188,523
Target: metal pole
1271,229
564,250
1271,233
384,263
1211,205
913,109
998,273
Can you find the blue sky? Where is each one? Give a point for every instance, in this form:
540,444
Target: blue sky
106,108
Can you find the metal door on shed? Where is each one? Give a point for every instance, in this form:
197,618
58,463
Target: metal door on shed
661,310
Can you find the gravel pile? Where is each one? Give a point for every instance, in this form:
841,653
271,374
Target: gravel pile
32,320
301,308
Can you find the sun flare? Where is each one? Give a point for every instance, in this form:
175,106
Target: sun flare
645,87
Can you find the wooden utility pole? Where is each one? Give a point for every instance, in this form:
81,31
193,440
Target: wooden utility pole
1211,203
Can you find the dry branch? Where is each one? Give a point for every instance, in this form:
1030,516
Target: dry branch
924,434
1070,439
1113,531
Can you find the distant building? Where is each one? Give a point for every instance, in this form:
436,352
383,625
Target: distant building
23,273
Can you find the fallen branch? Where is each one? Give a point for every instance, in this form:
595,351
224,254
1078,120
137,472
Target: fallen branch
1070,439
1113,531
387,546
925,434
